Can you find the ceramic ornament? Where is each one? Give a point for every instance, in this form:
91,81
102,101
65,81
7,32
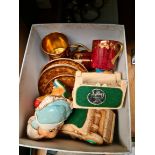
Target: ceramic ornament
90,125
49,117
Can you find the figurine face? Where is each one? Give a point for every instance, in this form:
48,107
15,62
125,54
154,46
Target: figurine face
34,131
48,134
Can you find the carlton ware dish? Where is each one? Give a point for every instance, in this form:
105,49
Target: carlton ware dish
51,72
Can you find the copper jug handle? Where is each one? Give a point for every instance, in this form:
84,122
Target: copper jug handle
78,45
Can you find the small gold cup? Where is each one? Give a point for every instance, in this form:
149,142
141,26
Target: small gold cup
55,45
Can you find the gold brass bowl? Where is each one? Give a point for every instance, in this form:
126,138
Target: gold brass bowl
55,45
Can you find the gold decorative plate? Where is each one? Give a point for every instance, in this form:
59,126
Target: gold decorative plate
53,71
65,61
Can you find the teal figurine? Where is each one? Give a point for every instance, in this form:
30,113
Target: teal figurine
49,117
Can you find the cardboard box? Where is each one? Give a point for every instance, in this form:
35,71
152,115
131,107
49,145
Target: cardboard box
33,62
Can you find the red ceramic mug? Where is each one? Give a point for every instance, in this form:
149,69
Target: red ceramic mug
105,53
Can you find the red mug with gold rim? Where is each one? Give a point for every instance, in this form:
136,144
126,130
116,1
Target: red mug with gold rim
105,53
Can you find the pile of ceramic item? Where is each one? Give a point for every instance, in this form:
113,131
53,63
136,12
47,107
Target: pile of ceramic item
79,89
